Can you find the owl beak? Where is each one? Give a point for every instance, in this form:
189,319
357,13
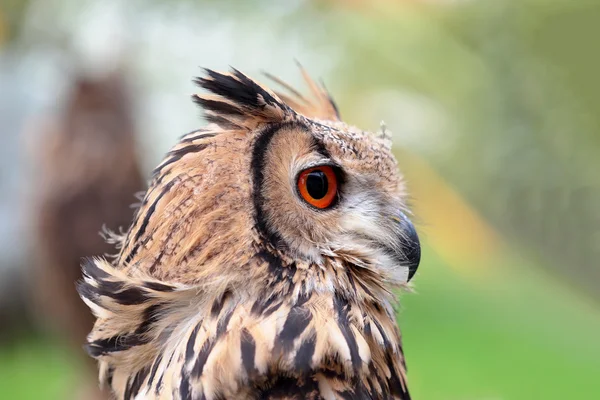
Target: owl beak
409,246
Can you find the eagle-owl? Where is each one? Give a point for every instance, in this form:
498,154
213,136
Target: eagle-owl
262,261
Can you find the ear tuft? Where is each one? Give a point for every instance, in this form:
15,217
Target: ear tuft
238,102
320,105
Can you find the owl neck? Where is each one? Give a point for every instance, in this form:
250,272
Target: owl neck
292,280
154,337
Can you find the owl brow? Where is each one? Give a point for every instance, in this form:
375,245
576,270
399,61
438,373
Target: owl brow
323,162
326,127
319,147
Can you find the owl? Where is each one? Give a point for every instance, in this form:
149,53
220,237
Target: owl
263,259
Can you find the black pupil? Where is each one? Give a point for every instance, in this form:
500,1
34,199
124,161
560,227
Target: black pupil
316,184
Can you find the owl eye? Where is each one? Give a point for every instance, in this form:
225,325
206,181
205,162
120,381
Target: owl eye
318,186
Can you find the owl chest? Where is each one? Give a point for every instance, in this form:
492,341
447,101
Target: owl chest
282,352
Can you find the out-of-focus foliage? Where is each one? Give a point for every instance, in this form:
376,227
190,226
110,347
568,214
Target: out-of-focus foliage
11,14
494,109
516,88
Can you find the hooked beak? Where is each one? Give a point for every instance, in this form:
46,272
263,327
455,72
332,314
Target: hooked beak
409,252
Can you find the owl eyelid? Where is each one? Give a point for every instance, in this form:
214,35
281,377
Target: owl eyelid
320,163
337,169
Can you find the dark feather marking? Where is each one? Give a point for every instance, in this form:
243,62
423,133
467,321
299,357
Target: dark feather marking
261,305
159,257
248,348
186,139
219,107
275,264
112,344
189,348
256,88
184,387
386,342
367,328
325,127
146,219
349,395
242,90
222,324
358,392
154,368
271,309
127,394
202,357
366,289
159,287
128,297
222,122
385,389
160,378
108,288
341,306
137,214
156,262
109,376
291,388
303,297
377,307
291,270
296,322
331,374
87,291
172,231
303,359
320,148
150,317
394,381
92,270
351,280
209,345
138,379
199,130
177,154
117,343
218,304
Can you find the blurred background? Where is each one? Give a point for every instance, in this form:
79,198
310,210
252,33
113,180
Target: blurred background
495,112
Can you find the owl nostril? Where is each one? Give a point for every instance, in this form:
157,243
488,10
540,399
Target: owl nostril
410,245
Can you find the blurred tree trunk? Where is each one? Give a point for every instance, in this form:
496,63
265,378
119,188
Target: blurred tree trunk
88,175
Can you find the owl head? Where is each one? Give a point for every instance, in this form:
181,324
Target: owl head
266,246
278,176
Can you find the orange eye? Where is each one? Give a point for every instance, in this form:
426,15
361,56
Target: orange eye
318,186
